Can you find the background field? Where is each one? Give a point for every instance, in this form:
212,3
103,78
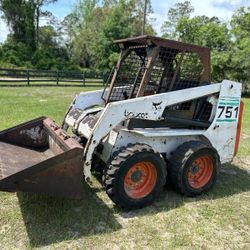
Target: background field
219,219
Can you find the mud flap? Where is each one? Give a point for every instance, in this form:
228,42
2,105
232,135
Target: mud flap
39,157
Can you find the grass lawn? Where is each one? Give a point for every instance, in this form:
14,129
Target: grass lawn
219,219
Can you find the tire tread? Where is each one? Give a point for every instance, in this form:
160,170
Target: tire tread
118,159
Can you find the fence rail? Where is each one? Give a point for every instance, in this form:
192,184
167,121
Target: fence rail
49,77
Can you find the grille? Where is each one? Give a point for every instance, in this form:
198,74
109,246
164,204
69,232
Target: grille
205,112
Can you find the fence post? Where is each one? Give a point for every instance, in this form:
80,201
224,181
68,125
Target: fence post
28,78
83,79
57,77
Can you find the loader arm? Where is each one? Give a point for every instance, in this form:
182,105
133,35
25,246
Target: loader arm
83,101
150,107
86,99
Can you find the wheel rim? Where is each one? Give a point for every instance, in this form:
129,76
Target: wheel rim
200,172
140,180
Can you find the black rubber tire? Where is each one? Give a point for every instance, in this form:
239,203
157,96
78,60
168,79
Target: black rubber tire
118,168
181,161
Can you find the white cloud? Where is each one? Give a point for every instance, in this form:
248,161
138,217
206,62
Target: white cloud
4,31
220,8
230,5
209,9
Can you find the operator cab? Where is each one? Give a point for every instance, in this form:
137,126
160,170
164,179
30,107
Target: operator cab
150,65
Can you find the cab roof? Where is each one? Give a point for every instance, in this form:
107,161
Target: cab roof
162,42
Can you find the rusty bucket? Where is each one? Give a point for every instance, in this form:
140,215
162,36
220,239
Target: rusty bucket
38,157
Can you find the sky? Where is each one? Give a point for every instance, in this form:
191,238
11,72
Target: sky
220,8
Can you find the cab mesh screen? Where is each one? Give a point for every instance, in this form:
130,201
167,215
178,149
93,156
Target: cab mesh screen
172,70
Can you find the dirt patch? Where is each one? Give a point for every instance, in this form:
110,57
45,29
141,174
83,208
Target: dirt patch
243,162
245,136
12,79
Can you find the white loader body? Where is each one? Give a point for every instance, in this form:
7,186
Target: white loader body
109,131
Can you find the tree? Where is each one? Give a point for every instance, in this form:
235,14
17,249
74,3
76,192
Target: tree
137,12
116,25
179,11
92,27
210,32
82,27
39,13
240,24
21,48
23,18
50,54
205,31
19,15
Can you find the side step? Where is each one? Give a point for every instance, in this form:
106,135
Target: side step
38,157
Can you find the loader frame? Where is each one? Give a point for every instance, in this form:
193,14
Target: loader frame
145,99
114,113
157,100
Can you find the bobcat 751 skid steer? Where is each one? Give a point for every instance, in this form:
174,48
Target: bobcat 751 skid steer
158,119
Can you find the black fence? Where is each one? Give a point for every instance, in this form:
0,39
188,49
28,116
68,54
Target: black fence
13,77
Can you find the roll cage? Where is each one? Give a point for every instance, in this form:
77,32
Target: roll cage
150,65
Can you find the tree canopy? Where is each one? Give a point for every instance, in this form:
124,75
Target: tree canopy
84,39
229,44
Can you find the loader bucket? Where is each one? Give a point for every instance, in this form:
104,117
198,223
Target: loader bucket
39,157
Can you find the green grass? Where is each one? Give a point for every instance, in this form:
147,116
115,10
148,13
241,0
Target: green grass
244,148
219,219
19,104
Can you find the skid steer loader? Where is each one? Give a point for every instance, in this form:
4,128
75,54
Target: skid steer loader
158,119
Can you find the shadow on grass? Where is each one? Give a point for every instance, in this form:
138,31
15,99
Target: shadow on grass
52,220
232,180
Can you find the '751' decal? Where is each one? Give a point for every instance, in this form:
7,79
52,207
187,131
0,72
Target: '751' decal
228,110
